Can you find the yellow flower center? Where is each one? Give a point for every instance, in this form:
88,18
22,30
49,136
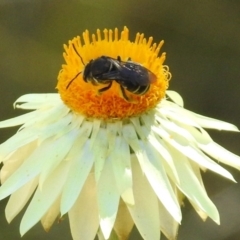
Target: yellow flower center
87,95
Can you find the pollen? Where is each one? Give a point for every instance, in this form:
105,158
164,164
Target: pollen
84,97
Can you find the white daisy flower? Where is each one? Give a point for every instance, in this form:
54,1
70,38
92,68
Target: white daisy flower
112,154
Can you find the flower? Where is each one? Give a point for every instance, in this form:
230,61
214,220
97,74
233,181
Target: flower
107,156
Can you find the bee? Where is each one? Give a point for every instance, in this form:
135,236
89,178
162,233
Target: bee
131,76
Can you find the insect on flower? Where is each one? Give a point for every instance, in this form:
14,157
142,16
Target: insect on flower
131,76
102,160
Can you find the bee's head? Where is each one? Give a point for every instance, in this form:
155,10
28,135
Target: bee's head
96,69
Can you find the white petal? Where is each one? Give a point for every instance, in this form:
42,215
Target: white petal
203,215
100,150
50,217
131,137
124,223
108,199
173,127
19,199
161,148
73,125
15,160
148,119
168,225
176,117
145,210
83,216
43,199
83,132
197,173
191,187
154,171
145,133
213,149
221,154
175,97
35,98
47,116
77,176
183,146
207,122
112,129
139,129
29,106
30,168
55,128
121,164
18,120
15,142
62,147
95,129
196,169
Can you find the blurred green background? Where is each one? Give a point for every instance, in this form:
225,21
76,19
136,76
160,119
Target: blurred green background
202,41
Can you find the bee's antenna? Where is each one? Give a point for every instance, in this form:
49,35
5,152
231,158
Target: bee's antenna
79,72
73,80
78,54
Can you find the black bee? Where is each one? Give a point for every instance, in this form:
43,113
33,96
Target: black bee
104,70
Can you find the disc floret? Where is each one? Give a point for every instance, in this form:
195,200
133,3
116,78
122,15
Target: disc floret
84,98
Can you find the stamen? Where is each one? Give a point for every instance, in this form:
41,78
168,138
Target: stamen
94,38
116,34
141,38
110,35
137,38
149,42
99,35
105,31
86,37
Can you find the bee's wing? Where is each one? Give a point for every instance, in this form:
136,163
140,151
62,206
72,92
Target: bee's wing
138,74
129,73
152,77
112,75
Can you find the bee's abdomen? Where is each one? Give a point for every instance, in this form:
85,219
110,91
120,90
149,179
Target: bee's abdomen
138,90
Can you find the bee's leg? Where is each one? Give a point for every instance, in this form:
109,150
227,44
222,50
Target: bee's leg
124,95
119,59
94,81
101,90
